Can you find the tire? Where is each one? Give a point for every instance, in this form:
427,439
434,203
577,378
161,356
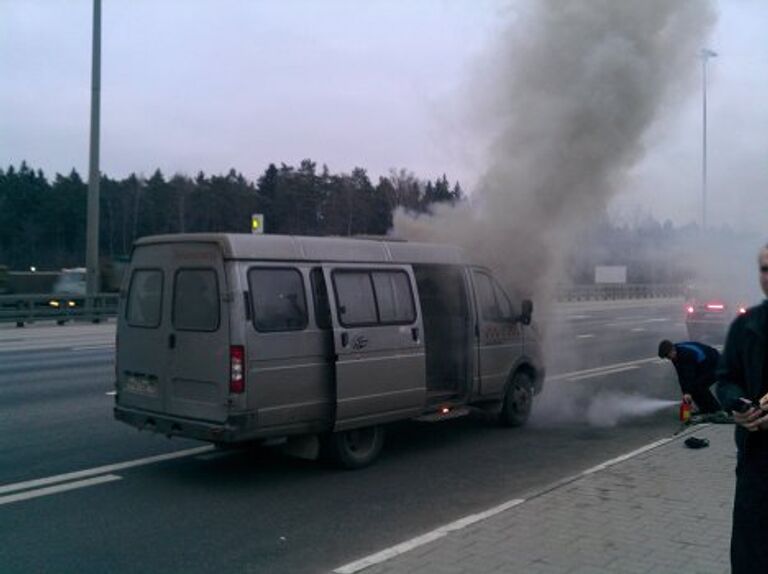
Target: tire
518,400
354,448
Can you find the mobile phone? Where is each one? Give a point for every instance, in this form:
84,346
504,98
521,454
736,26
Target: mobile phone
743,405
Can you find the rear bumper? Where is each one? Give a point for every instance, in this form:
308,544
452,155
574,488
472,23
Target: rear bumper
234,429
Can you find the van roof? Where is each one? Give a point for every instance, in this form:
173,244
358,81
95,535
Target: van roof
305,248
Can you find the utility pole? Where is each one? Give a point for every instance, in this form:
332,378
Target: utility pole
705,55
92,233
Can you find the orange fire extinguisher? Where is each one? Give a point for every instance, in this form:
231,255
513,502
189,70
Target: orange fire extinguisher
685,411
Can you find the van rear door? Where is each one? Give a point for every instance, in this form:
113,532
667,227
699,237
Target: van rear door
185,356
378,343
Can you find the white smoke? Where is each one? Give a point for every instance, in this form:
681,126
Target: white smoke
571,89
608,409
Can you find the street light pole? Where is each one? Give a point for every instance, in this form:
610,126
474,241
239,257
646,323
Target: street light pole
92,233
705,55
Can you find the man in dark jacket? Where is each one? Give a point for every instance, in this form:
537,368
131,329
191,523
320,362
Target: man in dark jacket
742,381
695,364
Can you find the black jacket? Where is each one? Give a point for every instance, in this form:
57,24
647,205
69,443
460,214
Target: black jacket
740,372
695,365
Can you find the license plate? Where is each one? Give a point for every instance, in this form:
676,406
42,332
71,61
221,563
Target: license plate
141,385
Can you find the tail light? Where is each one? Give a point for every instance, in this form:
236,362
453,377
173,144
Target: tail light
742,310
236,369
715,306
690,309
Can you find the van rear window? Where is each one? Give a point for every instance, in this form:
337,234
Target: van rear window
279,302
196,300
145,296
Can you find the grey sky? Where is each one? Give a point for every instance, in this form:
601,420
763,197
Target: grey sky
190,85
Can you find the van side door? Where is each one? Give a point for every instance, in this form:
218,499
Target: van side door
378,343
499,336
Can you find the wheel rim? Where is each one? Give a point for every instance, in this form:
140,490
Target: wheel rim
521,400
360,441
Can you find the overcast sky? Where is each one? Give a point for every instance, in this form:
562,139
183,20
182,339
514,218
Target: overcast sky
201,85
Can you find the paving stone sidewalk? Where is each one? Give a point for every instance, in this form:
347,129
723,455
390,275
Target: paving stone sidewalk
666,510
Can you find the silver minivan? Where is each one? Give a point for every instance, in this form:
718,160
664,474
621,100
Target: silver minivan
315,342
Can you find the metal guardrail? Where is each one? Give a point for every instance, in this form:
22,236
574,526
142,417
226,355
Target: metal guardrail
610,292
22,309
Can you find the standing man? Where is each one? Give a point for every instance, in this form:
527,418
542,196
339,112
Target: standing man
743,374
695,364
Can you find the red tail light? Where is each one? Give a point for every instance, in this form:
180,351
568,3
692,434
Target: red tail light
742,310
715,306
236,369
690,309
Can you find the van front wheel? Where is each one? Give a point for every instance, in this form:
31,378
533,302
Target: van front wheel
518,401
354,448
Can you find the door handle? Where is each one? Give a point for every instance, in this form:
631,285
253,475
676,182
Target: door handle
415,334
344,339
172,341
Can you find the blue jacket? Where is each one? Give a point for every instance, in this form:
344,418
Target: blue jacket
695,364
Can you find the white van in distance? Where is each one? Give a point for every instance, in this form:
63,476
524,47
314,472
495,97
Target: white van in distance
237,338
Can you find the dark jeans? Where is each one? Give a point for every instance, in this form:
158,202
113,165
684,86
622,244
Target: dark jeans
705,400
749,550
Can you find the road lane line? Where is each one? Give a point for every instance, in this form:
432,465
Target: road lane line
431,536
638,330
103,469
585,336
603,373
58,488
92,347
571,374
111,393
442,531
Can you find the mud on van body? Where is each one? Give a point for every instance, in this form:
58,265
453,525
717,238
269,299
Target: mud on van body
236,338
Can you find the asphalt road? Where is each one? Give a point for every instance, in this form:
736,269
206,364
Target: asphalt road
257,511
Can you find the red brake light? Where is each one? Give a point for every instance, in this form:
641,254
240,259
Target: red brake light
236,369
742,310
715,306
690,309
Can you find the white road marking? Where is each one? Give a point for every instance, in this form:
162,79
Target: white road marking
638,330
436,534
579,316
585,336
442,531
603,373
102,469
613,367
59,488
111,393
92,347
624,457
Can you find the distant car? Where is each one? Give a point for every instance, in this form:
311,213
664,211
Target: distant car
707,318
68,290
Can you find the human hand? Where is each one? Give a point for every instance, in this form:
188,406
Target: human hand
754,419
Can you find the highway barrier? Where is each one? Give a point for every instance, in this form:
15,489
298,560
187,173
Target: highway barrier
22,309
616,291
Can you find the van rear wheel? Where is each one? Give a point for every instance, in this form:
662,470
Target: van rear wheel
354,448
518,401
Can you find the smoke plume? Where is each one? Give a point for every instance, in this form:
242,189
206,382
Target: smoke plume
565,100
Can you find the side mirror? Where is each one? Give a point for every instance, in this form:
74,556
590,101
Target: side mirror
526,311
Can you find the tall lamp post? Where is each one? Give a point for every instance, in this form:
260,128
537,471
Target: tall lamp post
705,55
92,233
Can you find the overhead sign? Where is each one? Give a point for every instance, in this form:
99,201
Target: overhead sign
257,223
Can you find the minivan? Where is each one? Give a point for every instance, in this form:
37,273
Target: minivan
315,342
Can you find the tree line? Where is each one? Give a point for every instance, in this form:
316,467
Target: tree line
43,223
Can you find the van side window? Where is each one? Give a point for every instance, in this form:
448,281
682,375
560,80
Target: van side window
505,305
278,299
394,297
320,296
145,296
486,298
374,298
196,300
354,291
